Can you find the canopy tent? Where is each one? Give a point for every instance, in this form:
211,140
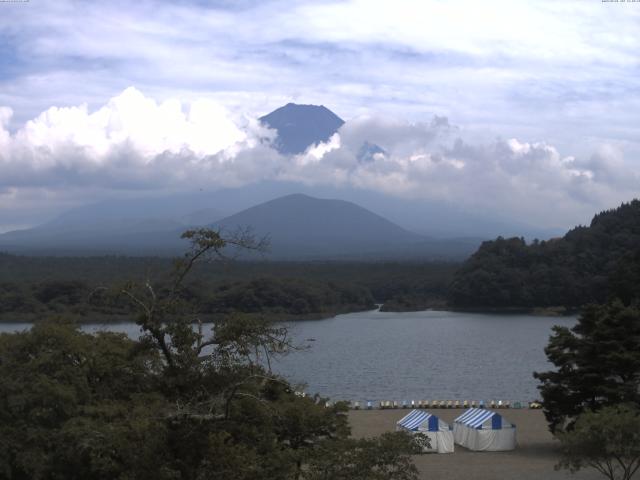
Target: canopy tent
480,429
439,433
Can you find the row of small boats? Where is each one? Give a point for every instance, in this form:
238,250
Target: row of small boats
413,404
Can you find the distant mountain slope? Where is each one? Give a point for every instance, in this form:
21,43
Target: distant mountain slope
124,237
300,126
110,228
176,208
588,264
299,225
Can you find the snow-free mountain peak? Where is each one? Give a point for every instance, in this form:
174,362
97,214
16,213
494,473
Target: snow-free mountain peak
301,225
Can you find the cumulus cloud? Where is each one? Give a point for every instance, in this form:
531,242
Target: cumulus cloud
150,127
135,143
132,140
544,70
530,181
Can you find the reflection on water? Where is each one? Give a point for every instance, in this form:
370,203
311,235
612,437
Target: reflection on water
417,355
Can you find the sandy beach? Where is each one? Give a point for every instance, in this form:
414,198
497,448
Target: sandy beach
533,459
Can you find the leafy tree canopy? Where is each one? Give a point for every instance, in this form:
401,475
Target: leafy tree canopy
589,264
607,440
597,364
180,403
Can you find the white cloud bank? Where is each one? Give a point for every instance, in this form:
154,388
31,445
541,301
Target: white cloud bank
150,128
534,69
134,143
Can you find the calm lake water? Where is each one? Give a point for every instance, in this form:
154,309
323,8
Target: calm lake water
417,355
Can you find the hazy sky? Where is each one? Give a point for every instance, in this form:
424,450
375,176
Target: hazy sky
530,109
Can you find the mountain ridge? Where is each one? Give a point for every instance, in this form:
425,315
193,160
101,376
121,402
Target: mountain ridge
299,223
133,219
301,227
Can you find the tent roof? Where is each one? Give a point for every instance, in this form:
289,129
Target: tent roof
415,418
476,418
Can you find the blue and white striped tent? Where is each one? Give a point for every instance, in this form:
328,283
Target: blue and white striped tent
481,429
439,433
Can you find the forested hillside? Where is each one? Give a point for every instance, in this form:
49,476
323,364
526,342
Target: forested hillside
32,288
589,264
277,297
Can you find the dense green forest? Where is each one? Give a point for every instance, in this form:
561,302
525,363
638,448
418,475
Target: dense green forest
87,288
177,403
589,264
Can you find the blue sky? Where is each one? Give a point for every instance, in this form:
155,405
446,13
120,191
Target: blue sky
561,75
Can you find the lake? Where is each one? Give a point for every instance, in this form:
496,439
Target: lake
417,355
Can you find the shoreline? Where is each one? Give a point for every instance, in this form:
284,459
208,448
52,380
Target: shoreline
104,319
558,311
